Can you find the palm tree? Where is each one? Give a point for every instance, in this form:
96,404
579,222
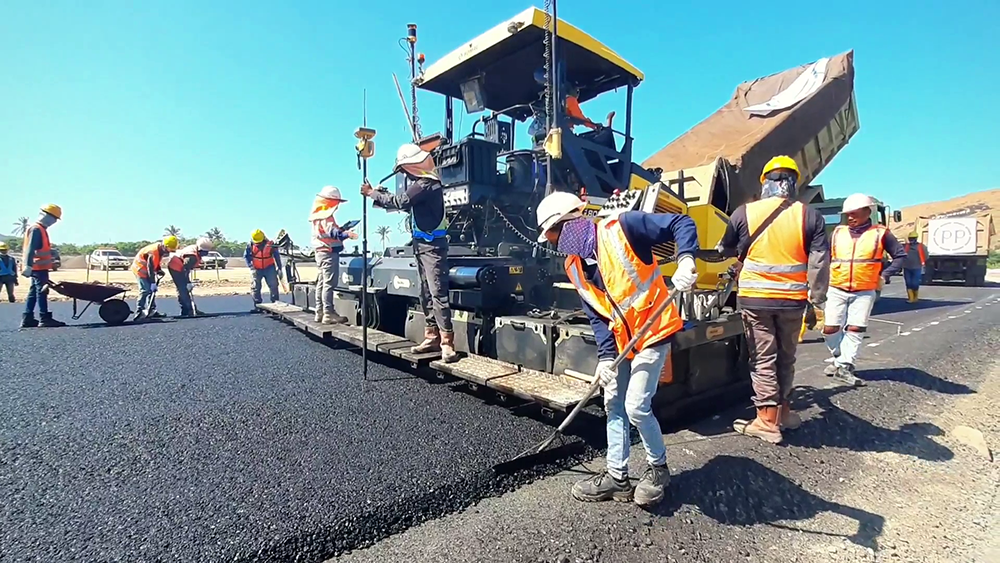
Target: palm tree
171,230
383,234
20,226
215,234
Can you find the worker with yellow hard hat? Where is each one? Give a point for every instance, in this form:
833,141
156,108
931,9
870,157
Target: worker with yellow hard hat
783,266
148,269
8,271
264,261
37,262
913,266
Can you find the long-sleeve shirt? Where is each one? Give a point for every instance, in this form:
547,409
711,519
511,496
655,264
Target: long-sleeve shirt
736,240
913,260
423,199
33,245
248,255
642,231
895,250
8,266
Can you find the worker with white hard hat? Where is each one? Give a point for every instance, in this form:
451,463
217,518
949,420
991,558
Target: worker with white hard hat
327,242
784,266
261,256
424,200
37,261
857,251
184,261
612,266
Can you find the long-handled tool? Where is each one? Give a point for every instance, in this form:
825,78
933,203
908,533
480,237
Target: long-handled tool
597,381
365,149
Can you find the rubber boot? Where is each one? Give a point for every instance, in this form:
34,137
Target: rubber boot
28,320
788,419
431,343
802,331
909,296
765,426
448,354
916,295
48,322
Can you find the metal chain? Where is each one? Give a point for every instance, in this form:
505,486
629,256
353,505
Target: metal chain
524,238
549,71
416,118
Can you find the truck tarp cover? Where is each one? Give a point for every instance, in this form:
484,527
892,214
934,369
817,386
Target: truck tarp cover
748,140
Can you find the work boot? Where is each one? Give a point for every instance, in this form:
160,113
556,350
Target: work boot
765,426
333,318
139,315
318,317
916,295
602,487
431,343
830,370
845,373
28,320
448,354
652,485
788,419
155,315
48,322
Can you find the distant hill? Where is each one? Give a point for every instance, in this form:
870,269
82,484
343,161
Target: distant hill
978,202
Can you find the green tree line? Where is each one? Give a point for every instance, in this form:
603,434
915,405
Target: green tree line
225,247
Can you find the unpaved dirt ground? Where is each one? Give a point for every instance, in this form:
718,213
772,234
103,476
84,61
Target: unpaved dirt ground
229,281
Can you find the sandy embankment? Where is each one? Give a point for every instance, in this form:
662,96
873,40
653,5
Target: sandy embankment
230,281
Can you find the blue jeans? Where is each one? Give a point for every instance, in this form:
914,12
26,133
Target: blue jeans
269,275
145,295
912,278
640,379
39,280
181,281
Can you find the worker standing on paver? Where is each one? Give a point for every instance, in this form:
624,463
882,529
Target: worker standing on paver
328,242
8,271
857,250
147,267
612,267
180,266
37,262
913,266
264,261
785,265
424,200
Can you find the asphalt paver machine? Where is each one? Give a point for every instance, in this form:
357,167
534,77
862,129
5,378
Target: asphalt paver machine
517,321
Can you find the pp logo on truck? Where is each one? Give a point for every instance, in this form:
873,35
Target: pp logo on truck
952,236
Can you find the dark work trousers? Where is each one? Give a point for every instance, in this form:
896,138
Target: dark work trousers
432,267
772,336
7,282
181,281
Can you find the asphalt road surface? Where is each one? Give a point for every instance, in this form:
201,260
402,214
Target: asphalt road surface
239,438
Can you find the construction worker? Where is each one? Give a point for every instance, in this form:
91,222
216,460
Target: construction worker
424,201
613,269
147,267
263,259
856,251
8,271
913,266
784,256
37,262
328,242
180,266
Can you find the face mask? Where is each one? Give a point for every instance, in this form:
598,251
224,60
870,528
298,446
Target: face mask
578,237
778,184
47,220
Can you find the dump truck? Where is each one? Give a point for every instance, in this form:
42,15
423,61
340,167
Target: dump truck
958,247
519,328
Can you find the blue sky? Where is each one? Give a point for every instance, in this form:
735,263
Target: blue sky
136,115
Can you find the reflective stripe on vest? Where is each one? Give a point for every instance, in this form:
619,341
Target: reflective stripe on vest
856,263
439,232
777,264
139,263
632,290
42,261
263,257
920,251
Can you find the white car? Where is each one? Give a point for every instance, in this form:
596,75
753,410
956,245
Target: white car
213,261
107,259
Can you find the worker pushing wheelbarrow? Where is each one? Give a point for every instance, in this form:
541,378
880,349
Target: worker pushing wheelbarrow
113,311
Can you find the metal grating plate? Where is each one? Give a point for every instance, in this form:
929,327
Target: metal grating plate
477,369
554,390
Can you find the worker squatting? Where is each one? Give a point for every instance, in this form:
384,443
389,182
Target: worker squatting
785,263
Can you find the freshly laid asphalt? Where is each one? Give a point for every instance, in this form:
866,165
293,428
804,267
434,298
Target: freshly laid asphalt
228,438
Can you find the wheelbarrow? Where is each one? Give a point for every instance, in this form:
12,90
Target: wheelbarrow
112,311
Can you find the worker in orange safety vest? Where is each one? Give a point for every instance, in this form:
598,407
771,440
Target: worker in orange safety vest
612,266
913,266
262,258
180,266
37,260
856,253
147,267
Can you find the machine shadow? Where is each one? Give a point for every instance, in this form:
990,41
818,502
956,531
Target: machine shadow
738,491
890,305
162,321
916,378
838,428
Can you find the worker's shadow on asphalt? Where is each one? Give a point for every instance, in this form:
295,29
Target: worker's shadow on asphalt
835,427
916,378
739,491
891,305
